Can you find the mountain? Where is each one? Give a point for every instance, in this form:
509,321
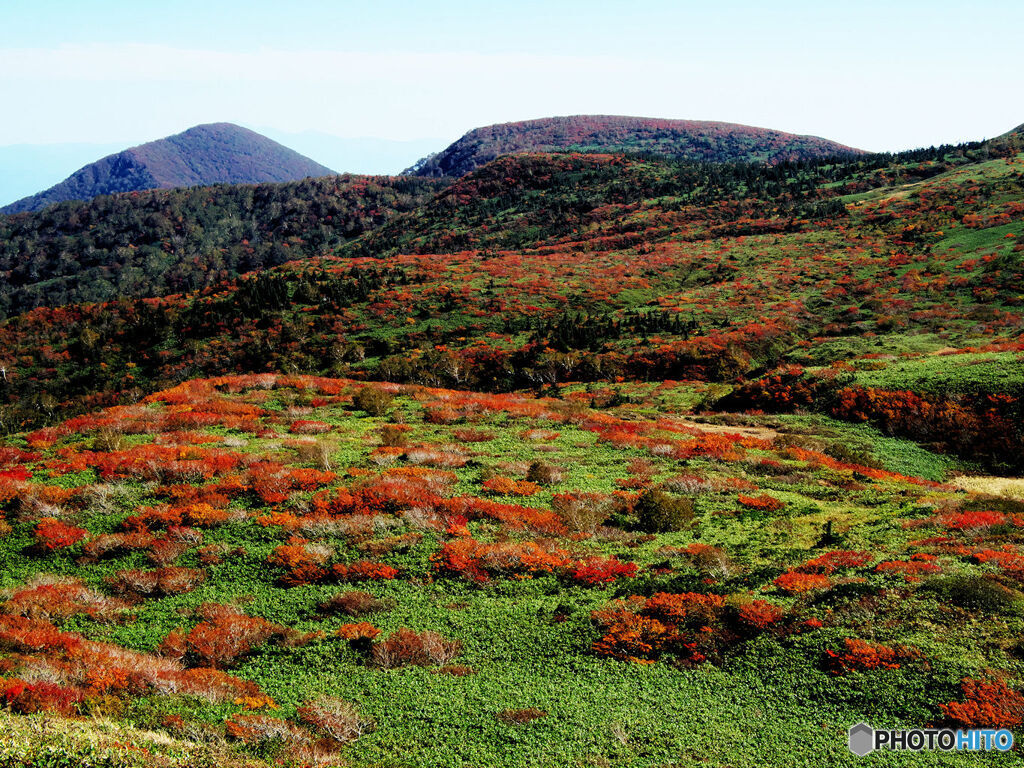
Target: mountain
27,168
206,154
695,140
743,467
544,268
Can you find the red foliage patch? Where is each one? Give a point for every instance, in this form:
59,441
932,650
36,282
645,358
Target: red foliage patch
479,561
763,502
52,534
911,570
967,521
29,698
224,636
796,583
759,614
861,656
597,571
987,704
506,486
835,561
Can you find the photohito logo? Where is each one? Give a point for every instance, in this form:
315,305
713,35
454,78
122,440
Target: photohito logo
863,739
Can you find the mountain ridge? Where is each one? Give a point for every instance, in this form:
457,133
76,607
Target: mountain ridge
205,154
696,140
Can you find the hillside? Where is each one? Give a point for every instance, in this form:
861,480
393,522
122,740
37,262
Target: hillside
542,269
256,570
215,153
485,462
157,242
693,140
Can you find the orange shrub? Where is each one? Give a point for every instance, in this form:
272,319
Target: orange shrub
301,565
52,534
835,560
596,571
796,583
506,486
860,655
634,638
987,704
478,561
759,614
224,636
763,502
363,570
51,597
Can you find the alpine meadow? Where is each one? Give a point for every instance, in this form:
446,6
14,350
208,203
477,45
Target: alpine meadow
584,442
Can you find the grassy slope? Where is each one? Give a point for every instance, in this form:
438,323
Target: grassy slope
769,701
885,279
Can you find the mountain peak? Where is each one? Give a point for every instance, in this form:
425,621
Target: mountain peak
698,140
211,153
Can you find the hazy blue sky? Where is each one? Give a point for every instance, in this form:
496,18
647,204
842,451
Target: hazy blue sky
877,75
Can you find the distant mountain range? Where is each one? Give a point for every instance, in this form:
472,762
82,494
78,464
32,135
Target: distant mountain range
682,139
206,154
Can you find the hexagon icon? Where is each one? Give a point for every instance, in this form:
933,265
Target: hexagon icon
862,739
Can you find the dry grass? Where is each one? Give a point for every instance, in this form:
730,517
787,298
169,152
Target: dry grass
96,741
1009,487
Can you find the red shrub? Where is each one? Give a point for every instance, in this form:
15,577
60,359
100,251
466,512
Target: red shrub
911,570
987,704
301,564
1008,561
406,647
360,635
506,486
596,571
634,638
224,636
24,635
52,534
687,608
836,560
860,655
966,521
363,570
763,502
263,729
759,614
797,583
50,597
512,515
113,544
479,561
358,631
29,698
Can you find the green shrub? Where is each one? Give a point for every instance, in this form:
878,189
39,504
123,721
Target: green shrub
374,400
658,512
978,593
